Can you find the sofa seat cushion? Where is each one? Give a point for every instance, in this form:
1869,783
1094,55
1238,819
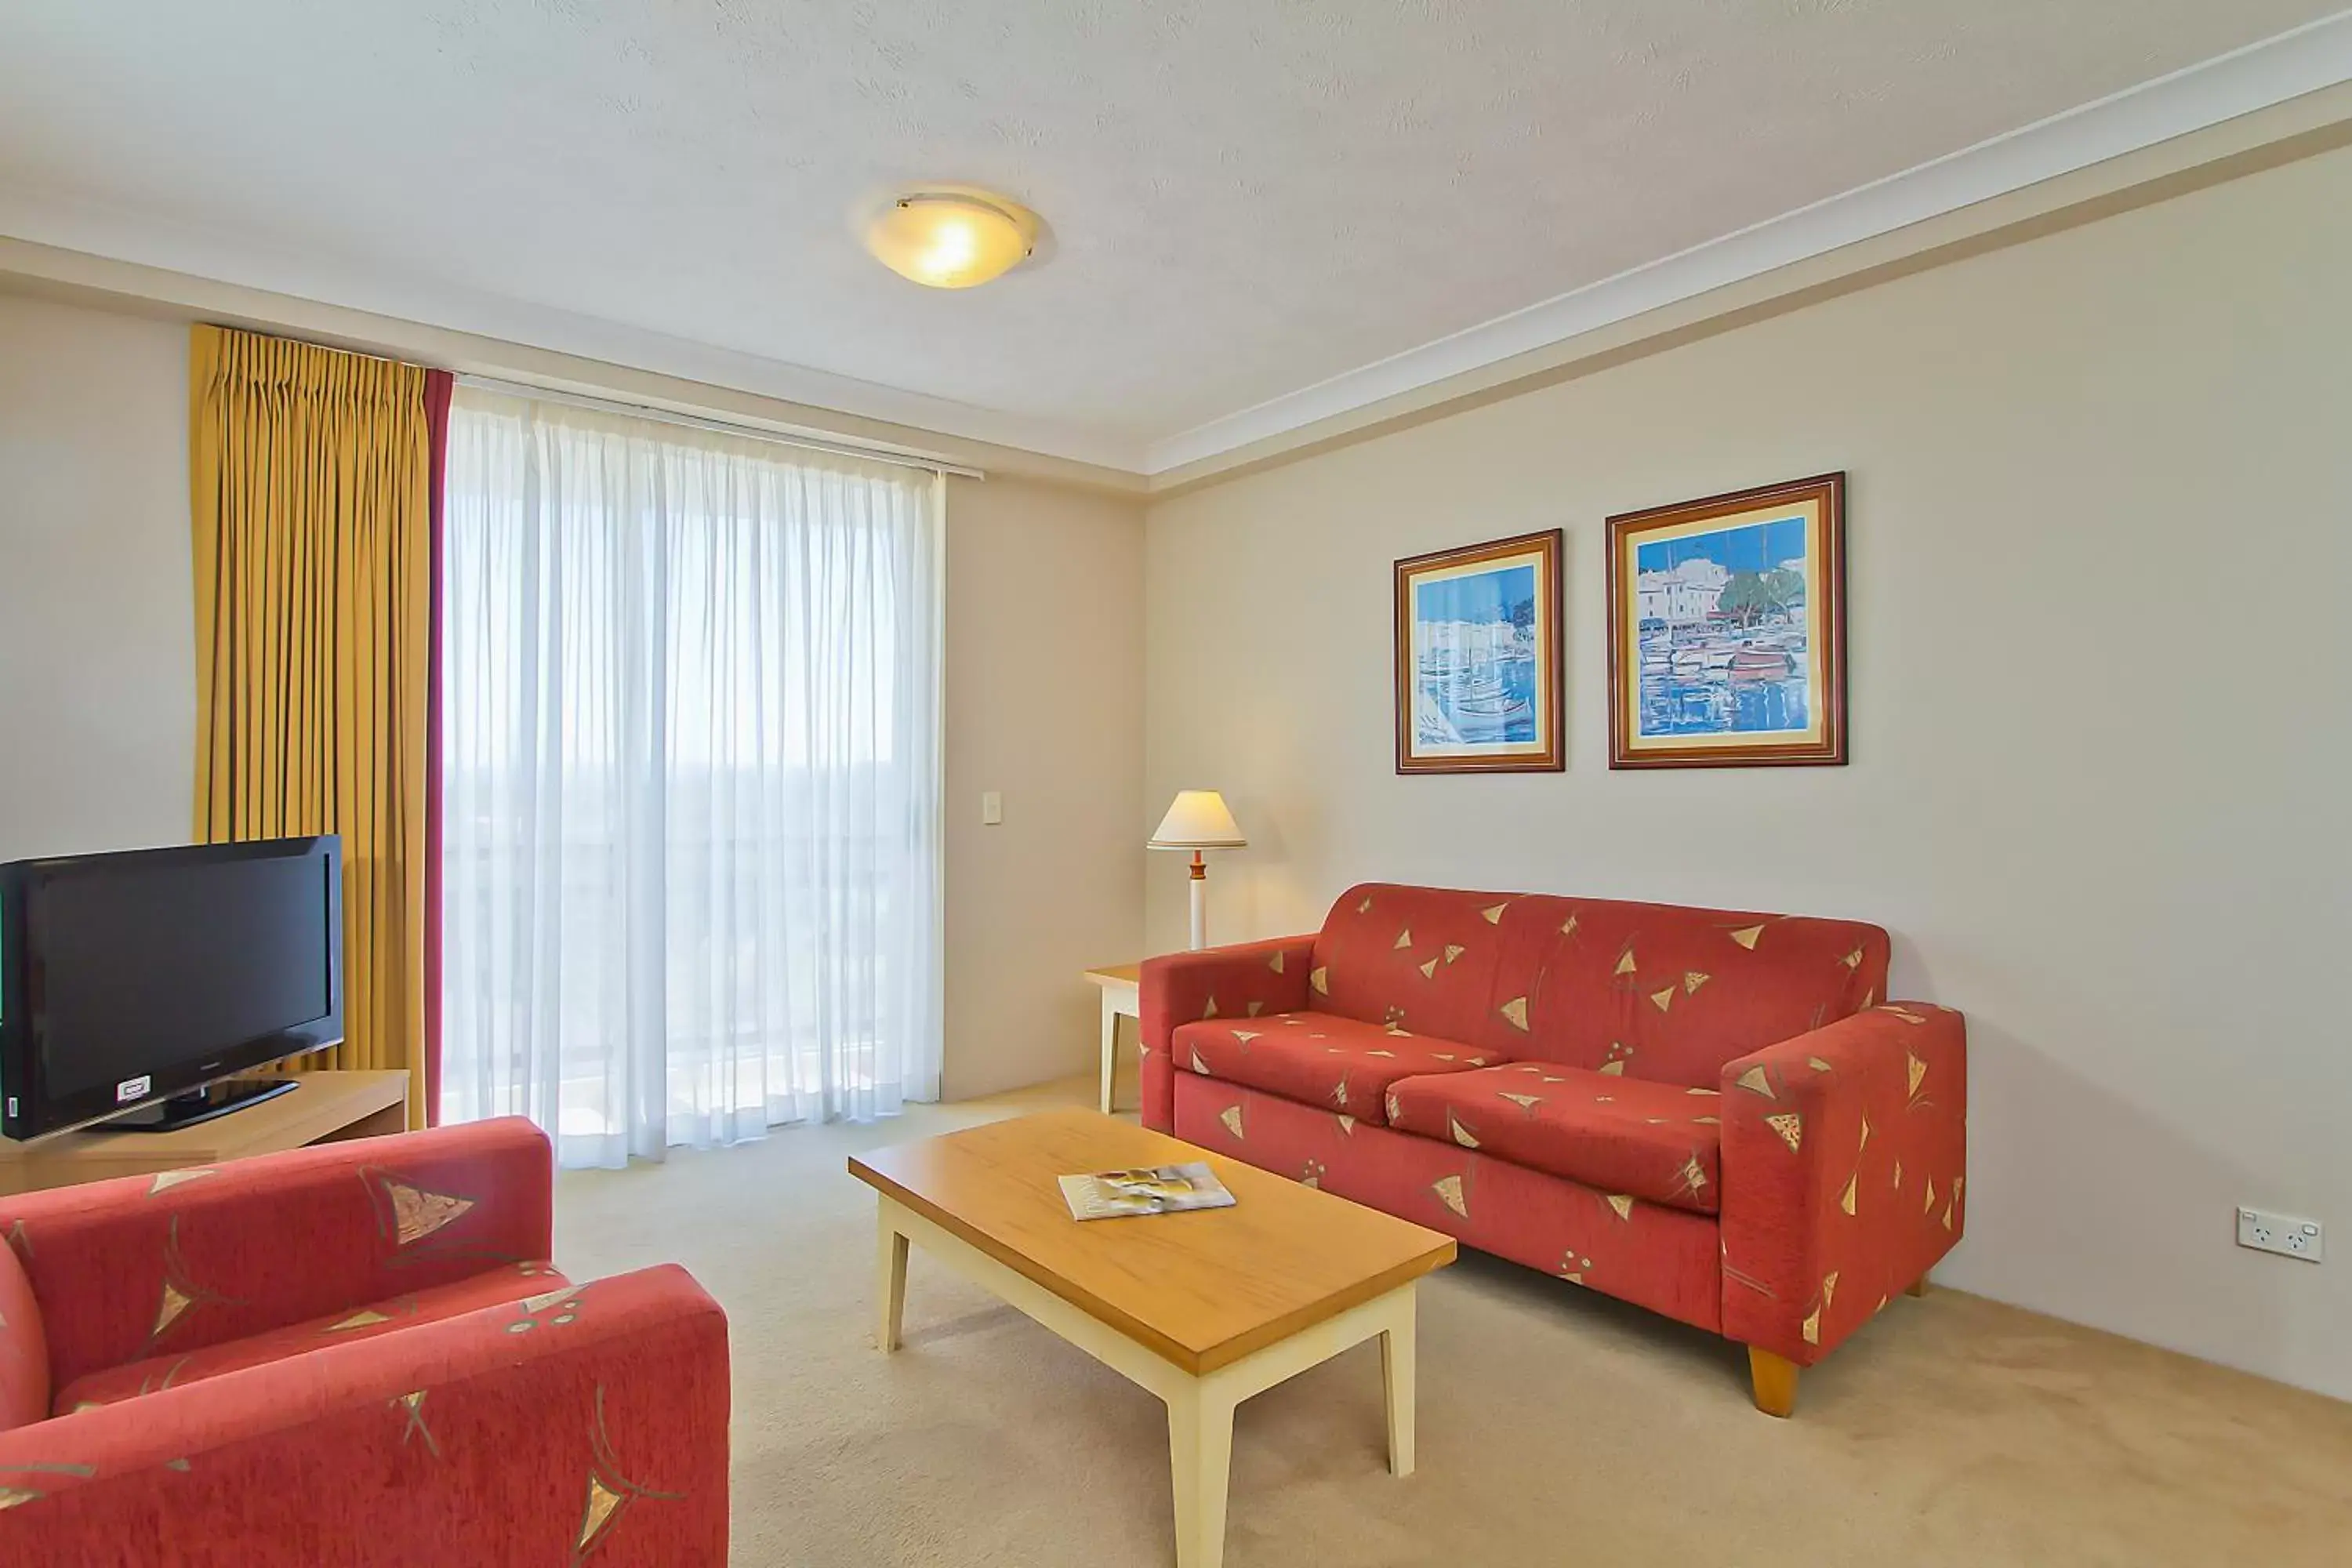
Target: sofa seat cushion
1631,1139
513,1282
1318,1058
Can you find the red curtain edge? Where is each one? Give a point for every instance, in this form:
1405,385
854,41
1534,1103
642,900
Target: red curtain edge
438,386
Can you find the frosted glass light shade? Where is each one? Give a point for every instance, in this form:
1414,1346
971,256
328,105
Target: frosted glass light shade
951,239
1198,820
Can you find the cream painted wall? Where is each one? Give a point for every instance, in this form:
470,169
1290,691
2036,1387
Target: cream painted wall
97,701
1044,667
1044,673
2100,526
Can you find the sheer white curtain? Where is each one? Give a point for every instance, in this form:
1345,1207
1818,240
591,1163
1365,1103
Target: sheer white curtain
690,718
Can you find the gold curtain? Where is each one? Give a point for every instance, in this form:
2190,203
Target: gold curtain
311,491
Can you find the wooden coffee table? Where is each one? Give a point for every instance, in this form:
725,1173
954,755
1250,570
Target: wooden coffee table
1203,1308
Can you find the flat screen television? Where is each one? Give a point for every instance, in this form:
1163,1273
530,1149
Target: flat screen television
127,979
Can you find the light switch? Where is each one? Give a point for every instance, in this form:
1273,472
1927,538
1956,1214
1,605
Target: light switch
992,808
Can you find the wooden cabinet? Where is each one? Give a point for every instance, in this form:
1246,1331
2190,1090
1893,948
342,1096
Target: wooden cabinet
327,1107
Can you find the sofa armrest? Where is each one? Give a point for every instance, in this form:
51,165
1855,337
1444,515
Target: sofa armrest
601,1426
146,1265
1844,1161
1217,982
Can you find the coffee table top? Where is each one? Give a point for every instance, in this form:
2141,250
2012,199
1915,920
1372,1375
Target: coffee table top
1202,1288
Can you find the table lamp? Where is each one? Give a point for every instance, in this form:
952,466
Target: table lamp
1198,820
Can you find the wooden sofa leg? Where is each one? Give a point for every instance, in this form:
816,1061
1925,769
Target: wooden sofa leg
1775,1378
1917,1287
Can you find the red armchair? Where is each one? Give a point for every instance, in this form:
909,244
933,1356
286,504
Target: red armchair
354,1353
1709,1114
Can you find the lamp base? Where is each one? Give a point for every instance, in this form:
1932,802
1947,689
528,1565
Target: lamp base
1200,903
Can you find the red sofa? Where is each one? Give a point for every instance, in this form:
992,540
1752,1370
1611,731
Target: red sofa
354,1353
1714,1114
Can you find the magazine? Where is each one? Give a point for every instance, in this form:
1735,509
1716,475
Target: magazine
1155,1189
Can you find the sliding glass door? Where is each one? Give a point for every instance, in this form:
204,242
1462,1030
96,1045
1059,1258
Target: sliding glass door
691,774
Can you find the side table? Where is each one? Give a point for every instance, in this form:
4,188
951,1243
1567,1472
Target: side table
1122,997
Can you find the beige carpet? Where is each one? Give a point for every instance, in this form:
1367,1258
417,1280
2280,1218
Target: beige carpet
1556,1427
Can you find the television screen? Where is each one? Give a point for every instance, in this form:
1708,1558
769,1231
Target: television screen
148,965
135,976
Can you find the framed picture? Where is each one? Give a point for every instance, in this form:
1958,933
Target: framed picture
1478,659
1726,630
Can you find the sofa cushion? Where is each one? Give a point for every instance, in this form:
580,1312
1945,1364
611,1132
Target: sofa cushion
511,1283
24,1352
1665,1258
1318,1058
1661,992
1422,958
1635,1140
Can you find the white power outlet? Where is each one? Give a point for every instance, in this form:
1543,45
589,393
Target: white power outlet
2283,1234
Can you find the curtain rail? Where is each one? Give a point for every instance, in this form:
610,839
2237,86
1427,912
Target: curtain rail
870,454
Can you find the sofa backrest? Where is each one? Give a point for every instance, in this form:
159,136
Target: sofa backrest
1660,992
23,1350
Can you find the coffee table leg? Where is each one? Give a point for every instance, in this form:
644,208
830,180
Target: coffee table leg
1200,1456
889,1282
1396,1372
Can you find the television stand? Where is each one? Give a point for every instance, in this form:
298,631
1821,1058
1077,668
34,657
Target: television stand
332,1106
201,1105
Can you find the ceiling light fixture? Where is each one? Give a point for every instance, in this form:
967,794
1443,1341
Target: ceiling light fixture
950,237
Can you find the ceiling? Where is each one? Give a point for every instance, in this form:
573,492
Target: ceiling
1249,197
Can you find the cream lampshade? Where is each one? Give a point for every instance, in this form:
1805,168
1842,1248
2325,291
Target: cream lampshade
1198,820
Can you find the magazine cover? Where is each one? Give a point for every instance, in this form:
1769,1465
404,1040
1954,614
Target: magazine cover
1158,1189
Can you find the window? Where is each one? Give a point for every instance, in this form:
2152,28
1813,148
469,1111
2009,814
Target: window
690,772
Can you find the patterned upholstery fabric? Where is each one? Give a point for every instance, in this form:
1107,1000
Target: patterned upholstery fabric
549,1422
1317,1058
174,1263
499,1287
1649,1140
1243,982
24,1350
1844,1173
1734,1095
1661,1258
1648,991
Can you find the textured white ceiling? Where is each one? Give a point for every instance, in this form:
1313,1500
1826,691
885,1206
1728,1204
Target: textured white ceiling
1248,196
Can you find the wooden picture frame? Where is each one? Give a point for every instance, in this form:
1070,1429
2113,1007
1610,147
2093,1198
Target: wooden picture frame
1478,659
1726,630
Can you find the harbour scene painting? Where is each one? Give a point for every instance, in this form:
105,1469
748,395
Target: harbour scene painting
1478,657
1473,639
1726,629
1722,619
